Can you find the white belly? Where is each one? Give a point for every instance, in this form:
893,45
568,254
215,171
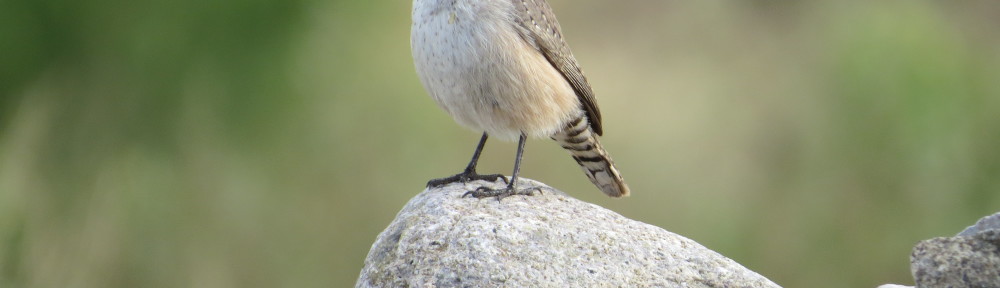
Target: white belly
475,66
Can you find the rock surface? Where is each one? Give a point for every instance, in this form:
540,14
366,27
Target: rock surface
971,259
441,239
991,222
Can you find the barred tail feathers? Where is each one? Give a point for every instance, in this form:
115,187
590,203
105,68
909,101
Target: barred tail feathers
581,142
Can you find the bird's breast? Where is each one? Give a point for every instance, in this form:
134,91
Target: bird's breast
477,67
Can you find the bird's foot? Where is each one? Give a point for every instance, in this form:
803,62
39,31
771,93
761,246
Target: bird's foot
465,177
509,190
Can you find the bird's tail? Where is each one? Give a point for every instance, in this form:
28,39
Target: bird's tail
582,144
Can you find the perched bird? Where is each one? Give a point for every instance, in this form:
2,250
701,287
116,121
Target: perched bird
503,68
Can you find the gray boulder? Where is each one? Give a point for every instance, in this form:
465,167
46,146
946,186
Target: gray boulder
971,259
441,239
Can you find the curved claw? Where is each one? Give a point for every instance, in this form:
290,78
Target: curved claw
434,183
489,177
466,177
509,190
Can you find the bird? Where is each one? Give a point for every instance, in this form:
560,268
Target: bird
502,67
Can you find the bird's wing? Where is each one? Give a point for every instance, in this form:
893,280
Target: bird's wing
538,26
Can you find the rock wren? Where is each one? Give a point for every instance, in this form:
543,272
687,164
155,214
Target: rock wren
502,67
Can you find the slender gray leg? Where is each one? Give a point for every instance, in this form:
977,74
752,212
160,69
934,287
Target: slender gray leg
511,188
470,171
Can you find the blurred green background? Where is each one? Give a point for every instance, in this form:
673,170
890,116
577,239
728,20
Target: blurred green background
221,143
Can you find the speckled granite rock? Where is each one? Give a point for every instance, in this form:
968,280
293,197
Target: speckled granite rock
440,239
971,259
894,286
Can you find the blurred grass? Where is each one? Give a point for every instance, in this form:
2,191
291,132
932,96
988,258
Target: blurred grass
266,143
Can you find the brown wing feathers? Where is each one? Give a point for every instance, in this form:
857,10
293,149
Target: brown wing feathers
538,26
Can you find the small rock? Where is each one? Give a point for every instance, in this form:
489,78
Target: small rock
441,239
991,222
971,259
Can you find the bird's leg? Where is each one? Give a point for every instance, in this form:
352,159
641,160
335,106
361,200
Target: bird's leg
470,171
511,188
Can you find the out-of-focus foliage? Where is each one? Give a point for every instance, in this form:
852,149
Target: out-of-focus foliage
265,143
